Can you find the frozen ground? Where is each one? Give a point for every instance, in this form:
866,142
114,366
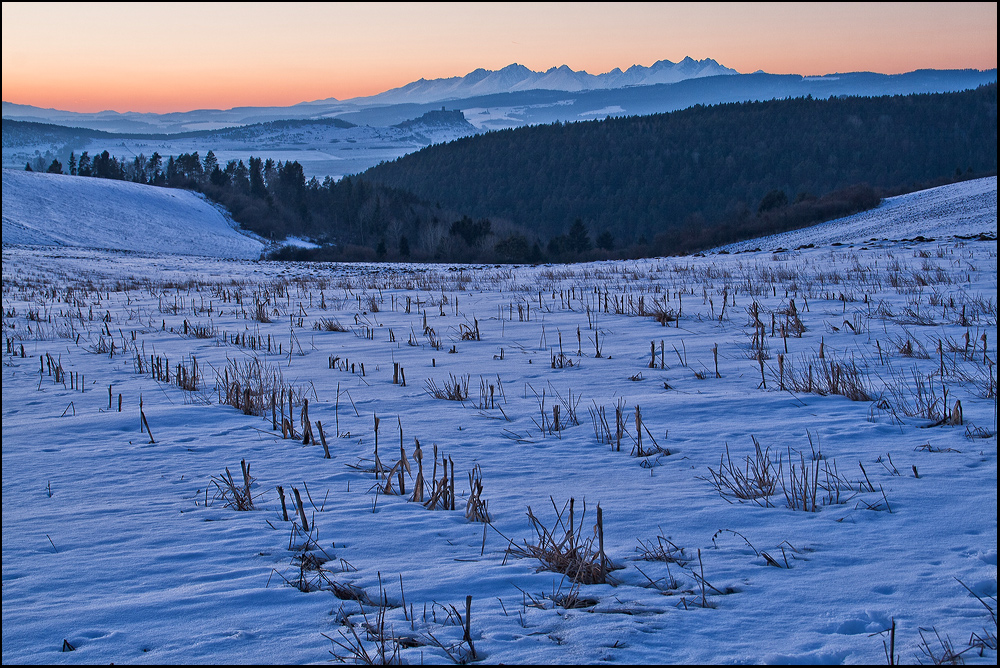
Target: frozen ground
119,543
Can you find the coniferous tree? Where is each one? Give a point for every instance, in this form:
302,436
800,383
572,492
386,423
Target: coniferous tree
578,237
211,163
84,168
257,186
218,178
153,168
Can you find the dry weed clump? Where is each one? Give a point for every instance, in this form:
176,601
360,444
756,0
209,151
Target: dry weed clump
663,550
329,325
253,387
937,650
806,485
187,376
455,388
811,485
602,430
379,647
309,570
233,494
916,396
823,376
756,481
563,548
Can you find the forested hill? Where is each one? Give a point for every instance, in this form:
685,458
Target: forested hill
705,173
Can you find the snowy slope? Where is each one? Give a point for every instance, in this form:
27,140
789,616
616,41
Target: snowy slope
57,210
960,209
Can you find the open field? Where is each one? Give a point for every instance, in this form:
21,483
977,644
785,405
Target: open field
758,457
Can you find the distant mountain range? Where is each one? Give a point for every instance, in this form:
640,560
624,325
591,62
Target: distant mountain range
515,96
482,100
511,79
516,78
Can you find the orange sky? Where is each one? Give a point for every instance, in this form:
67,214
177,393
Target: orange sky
177,57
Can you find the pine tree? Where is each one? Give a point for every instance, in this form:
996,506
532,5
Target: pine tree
257,187
211,163
84,168
579,238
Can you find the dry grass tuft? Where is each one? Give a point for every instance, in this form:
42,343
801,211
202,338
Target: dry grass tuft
329,325
756,481
563,549
455,388
236,496
477,510
812,484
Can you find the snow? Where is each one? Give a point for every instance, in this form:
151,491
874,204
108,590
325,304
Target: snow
58,210
116,542
966,209
613,109
517,77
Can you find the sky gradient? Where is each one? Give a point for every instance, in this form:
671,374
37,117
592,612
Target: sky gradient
177,57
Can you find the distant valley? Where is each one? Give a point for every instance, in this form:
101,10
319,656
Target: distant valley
336,138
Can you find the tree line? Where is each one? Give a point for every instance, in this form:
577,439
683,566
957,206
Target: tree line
625,187
700,175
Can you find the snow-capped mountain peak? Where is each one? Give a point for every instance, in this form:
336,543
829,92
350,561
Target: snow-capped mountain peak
516,77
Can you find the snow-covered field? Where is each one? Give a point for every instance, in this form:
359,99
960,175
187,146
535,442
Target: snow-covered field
871,367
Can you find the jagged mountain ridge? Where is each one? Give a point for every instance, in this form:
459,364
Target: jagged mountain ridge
511,79
516,78
386,131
